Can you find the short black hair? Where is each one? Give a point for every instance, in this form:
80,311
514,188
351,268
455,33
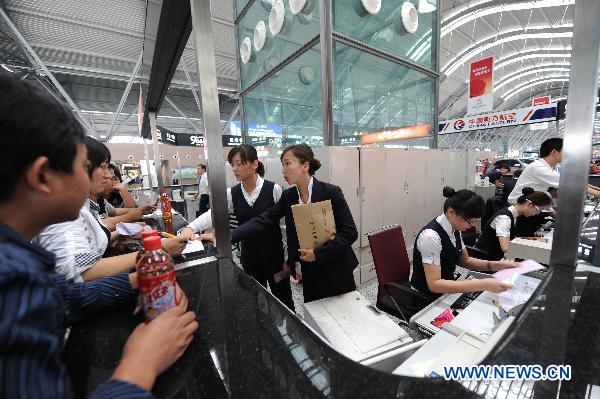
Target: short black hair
554,143
464,202
503,166
202,166
117,172
517,173
97,153
33,125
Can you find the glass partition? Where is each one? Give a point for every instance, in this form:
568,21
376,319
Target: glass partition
260,50
372,94
386,27
290,98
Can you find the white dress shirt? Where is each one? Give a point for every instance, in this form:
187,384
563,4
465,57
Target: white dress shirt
203,184
204,221
310,184
538,175
78,244
501,223
429,242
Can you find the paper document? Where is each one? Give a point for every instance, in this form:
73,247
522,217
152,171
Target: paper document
315,224
193,246
511,275
523,288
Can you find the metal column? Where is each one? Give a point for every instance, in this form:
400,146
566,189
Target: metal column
579,130
436,113
327,71
211,118
154,132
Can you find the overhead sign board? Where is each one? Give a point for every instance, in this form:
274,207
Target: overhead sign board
513,117
401,133
166,136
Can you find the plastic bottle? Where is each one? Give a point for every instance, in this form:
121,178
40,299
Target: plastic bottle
145,234
165,208
156,279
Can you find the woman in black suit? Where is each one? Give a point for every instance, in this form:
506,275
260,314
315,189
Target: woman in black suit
326,271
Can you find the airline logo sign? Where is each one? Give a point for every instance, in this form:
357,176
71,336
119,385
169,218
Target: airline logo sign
520,116
540,101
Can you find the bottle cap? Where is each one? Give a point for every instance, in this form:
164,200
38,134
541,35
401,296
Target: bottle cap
152,243
149,233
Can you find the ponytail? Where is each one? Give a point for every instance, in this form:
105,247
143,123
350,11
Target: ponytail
260,169
536,197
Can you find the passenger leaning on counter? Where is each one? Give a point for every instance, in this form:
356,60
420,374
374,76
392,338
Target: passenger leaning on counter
327,270
500,229
79,246
45,181
262,254
439,248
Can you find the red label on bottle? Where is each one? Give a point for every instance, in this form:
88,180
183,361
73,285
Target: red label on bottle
158,293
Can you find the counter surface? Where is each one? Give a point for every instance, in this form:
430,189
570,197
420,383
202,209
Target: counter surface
250,345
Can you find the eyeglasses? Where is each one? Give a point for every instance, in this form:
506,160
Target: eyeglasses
470,221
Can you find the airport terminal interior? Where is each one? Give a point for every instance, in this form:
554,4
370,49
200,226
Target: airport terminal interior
353,198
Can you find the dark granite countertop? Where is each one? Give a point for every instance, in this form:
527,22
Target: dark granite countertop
249,345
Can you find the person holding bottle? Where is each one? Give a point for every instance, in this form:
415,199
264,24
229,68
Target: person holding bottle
327,270
262,254
439,248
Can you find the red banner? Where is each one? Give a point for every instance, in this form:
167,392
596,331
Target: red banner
540,101
481,86
409,132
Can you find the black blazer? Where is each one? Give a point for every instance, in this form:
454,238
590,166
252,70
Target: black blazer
335,258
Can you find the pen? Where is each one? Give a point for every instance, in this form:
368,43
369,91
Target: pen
495,303
167,235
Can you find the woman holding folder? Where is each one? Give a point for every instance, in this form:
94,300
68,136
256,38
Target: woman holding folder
327,270
262,254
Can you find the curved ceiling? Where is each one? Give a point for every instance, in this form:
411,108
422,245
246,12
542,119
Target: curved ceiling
530,41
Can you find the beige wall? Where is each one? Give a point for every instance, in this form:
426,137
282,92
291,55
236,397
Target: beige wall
122,152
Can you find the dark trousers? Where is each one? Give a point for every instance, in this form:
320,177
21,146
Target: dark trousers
204,204
264,272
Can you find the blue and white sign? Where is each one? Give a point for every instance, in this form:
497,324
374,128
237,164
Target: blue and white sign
261,130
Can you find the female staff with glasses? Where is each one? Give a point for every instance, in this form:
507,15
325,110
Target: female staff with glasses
439,248
500,229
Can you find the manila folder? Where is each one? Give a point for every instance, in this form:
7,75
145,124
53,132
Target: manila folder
314,224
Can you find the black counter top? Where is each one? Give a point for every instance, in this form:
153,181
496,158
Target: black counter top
249,345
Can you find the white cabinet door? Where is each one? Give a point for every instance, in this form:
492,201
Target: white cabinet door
435,168
344,172
417,182
372,180
395,198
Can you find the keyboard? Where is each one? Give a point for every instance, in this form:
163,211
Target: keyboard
464,300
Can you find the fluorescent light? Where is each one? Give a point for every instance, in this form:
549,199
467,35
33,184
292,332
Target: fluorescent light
508,61
546,79
449,24
477,48
531,71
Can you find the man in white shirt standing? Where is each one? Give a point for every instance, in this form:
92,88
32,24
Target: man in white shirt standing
540,175
203,189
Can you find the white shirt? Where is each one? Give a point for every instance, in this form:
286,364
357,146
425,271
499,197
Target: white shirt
204,221
501,223
310,184
203,184
78,244
429,242
538,175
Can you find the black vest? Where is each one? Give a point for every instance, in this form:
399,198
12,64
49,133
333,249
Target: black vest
488,242
448,258
267,246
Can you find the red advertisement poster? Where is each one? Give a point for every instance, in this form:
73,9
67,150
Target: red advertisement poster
481,86
540,101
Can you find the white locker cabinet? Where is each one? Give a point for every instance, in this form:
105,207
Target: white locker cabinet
340,166
373,188
396,191
416,183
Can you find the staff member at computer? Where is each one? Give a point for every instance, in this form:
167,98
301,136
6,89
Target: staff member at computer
439,248
327,270
500,229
